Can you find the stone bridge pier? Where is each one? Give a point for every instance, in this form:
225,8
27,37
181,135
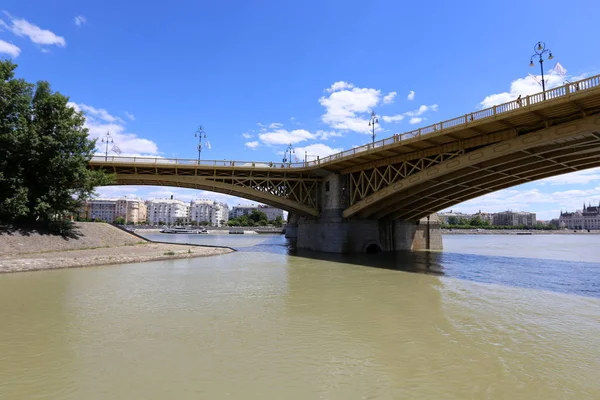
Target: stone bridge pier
332,233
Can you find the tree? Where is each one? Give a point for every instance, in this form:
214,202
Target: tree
475,221
44,152
257,216
278,221
120,220
453,220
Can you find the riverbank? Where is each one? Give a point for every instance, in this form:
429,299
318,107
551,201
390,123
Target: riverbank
87,244
515,232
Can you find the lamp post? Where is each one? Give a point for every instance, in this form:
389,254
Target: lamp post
374,120
287,155
200,134
540,49
108,140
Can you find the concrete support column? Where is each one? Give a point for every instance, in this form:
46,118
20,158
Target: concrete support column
291,228
331,233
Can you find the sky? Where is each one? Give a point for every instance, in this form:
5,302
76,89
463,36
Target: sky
259,75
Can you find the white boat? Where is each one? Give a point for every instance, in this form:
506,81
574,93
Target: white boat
178,229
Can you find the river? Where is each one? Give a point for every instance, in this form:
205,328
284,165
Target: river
490,317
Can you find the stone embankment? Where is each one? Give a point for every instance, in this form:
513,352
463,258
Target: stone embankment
87,244
517,232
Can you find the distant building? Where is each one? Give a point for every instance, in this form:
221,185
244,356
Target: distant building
586,218
209,211
512,218
101,209
239,210
167,211
271,212
108,210
457,217
133,210
485,217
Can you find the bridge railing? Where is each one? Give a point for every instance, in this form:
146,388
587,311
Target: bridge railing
490,112
551,94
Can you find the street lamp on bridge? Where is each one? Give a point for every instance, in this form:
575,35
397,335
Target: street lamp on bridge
108,140
287,155
540,49
374,120
200,134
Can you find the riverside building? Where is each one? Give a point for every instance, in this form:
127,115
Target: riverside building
108,210
167,211
586,218
208,211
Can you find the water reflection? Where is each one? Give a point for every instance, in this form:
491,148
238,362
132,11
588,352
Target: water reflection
576,271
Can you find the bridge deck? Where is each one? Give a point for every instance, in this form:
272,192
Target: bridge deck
554,106
414,174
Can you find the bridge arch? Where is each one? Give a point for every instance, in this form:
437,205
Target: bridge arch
291,193
543,153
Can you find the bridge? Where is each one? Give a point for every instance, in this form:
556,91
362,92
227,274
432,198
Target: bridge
381,195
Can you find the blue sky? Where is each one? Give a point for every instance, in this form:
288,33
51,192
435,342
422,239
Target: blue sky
261,74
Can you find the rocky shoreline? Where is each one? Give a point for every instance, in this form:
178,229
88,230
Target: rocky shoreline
92,244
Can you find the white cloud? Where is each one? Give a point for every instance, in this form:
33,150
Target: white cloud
326,135
341,85
80,20
247,135
316,149
252,145
389,98
346,103
99,121
37,35
275,125
9,48
423,109
130,115
415,120
580,177
393,118
411,95
524,86
98,113
282,136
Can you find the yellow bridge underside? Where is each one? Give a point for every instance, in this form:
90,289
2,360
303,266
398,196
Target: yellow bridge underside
411,175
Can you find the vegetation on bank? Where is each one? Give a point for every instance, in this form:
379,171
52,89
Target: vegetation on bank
255,218
477,223
44,153
501,227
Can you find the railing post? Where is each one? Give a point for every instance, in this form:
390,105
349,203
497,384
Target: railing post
567,89
494,110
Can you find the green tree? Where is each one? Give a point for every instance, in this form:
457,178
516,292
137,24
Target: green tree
278,221
44,152
120,220
257,216
453,220
475,221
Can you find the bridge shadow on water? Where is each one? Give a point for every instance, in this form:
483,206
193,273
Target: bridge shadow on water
422,262
561,276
